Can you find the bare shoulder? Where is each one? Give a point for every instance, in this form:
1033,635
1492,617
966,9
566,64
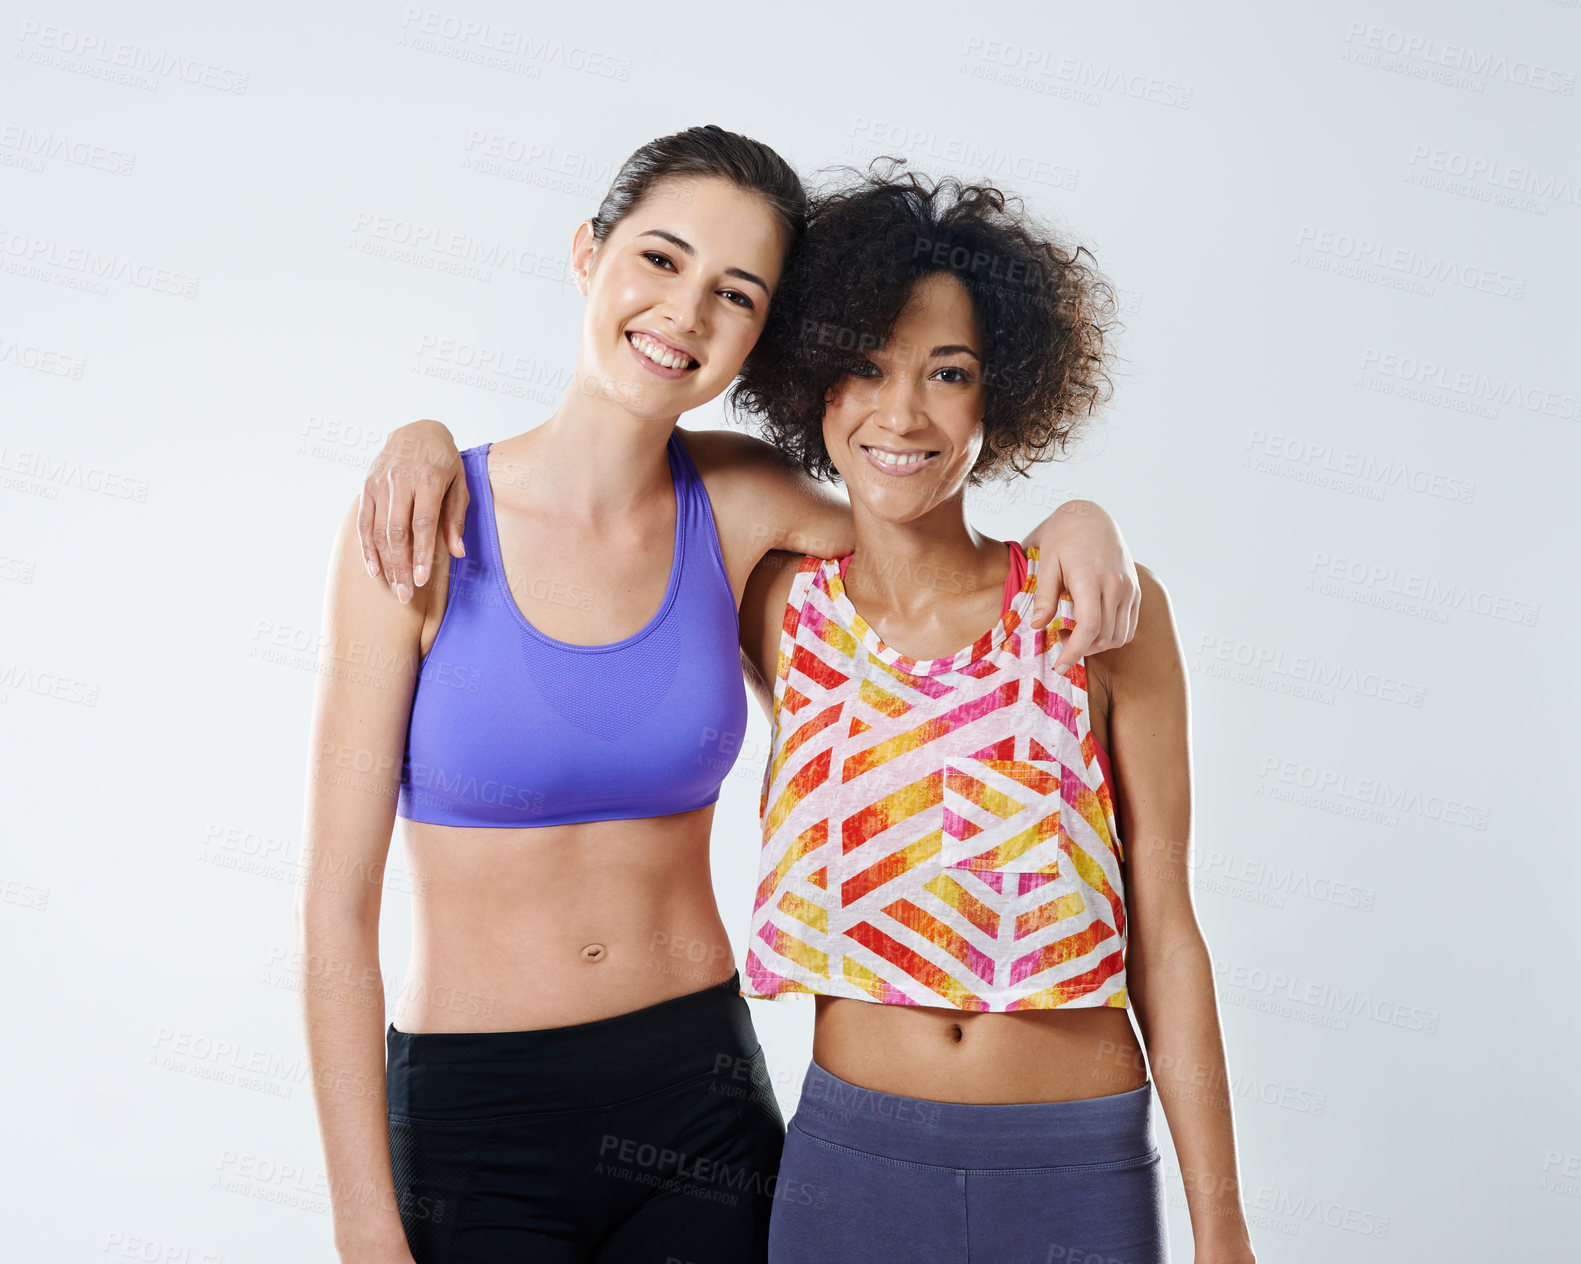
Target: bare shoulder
733,453
740,469
765,500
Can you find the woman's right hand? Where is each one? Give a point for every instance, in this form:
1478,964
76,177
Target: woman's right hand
414,484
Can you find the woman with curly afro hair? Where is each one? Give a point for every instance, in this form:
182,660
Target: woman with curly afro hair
977,863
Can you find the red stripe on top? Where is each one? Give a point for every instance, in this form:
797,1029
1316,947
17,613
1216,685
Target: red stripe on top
1014,582
1103,762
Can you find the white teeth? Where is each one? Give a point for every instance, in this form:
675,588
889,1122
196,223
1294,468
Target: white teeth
887,458
658,353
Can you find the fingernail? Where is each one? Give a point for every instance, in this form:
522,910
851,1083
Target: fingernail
403,593
419,575
373,566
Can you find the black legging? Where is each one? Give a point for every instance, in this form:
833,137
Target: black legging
652,1136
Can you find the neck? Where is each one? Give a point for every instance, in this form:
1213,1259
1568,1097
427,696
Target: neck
907,567
592,460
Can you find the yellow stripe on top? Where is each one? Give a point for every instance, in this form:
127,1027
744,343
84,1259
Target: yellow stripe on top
935,832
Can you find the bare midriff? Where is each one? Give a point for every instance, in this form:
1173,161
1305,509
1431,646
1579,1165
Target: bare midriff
948,1055
520,929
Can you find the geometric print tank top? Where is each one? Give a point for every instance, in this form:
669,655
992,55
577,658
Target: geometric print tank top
937,832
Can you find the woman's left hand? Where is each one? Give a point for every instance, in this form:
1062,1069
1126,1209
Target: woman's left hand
1081,552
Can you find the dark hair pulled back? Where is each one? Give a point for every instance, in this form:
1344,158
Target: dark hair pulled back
707,151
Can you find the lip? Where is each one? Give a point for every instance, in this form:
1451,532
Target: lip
658,370
905,471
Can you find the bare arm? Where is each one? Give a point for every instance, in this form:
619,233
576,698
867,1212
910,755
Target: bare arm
1080,548
1168,968
762,501
765,501
762,618
354,763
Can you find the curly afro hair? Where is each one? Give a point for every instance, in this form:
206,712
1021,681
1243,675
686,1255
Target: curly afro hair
1044,314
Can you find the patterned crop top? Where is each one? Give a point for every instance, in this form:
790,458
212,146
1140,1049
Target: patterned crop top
935,832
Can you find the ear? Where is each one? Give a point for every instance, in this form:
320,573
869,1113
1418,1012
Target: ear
583,248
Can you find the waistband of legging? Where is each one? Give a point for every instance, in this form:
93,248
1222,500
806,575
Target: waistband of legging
585,1066
1109,1129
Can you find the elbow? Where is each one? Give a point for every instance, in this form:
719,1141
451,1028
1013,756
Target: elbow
1167,949
325,913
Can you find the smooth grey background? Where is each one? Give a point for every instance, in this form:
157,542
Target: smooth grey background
1345,437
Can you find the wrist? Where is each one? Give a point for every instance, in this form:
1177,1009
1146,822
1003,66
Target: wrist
1227,1240
370,1238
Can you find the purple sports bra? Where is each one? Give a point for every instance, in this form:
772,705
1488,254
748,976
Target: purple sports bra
512,728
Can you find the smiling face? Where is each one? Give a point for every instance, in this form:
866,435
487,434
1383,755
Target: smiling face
677,294
904,426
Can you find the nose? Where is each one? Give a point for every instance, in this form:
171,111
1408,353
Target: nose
683,307
900,407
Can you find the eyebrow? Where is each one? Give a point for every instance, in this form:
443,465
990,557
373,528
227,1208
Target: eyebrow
687,247
953,348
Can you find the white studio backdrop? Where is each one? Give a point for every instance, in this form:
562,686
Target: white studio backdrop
238,244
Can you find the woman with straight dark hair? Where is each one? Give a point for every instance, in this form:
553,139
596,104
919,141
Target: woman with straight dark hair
572,1072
